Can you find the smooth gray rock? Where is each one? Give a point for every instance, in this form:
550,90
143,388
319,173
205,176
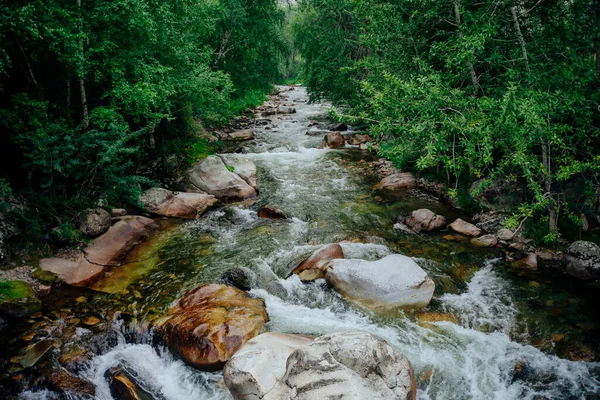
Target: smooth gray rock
391,282
212,176
582,260
346,366
243,167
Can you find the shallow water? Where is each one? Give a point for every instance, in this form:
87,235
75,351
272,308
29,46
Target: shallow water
489,318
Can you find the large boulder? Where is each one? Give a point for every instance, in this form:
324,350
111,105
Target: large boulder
391,282
108,250
94,222
212,176
210,323
18,299
582,260
243,167
465,228
398,181
176,204
425,220
335,140
243,134
346,366
312,268
254,370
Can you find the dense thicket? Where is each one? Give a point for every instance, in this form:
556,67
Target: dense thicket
500,90
94,93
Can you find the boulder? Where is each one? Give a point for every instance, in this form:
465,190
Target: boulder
391,282
254,370
37,352
108,250
357,140
210,323
582,260
212,176
485,241
18,299
425,220
270,212
528,260
164,202
334,140
118,212
123,387
465,228
243,134
63,381
347,366
238,277
505,234
94,222
398,181
243,167
312,268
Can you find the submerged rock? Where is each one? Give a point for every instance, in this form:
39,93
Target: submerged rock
176,204
391,282
398,181
485,241
94,222
253,371
465,228
349,366
269,212
334,140
312,268
108,250
212,176
18,299
209,324
425,220
238,278
582,260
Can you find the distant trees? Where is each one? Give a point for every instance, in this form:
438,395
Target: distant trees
473,89
91,90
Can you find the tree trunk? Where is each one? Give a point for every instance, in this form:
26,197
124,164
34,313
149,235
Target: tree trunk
598,25
547,183
513,11
222,49
473,73
80,72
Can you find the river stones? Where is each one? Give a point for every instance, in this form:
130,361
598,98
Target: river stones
488,240
17,299
582,260
212,176
94,222
254,370
270,212
312,268
108,250
62,380
391,282
240,278
210,323
398,181
164,202
242,134
465,228
243,167
424,220
357,140
348,366
334,140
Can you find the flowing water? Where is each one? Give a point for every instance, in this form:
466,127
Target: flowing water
491,332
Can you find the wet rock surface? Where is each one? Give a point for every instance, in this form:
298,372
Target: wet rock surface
582,260
313,267
425,220
270,212
212,176
176,204
398,181
464,227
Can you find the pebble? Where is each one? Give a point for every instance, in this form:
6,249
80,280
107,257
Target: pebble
91,321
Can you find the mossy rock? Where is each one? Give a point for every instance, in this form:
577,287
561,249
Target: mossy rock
18,299
45,277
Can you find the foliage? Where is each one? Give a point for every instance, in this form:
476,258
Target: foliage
97,93
486,90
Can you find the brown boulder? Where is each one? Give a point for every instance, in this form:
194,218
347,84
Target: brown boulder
176,204
465,228
398,181
62,380
529,261
210,323
425,220
357,140
75,272
272,213
335,140
313,267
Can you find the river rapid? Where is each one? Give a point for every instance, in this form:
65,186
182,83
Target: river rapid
491,332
